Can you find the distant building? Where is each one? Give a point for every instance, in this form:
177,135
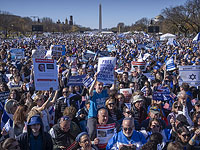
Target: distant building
71,20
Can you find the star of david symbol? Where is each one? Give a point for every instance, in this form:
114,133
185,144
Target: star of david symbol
192,76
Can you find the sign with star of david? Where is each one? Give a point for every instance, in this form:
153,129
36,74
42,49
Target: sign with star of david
190,75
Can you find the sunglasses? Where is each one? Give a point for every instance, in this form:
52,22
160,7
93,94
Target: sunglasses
65,118
128,129
111,104
186,135
128,112
155,126
64,92
176,106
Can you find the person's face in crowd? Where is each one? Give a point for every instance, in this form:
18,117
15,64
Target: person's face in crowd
121,86
127,113
124,77
111,105
65,125
99,87
14,108
154,115
138,104
24,87
120,99
185,137
35,128
102,117
155,126
128,127
14,71
14,146
131,85
40,101
87,106
177,107
76,88
13,95
197,107
182,99
65,91
146,84
17,79
2,88
134,73
85,142
126,69
158,76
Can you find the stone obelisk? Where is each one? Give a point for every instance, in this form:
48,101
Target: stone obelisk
100,19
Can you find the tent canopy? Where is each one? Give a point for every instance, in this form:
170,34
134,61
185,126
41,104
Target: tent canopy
167,36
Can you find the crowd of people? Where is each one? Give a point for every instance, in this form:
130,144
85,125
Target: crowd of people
100,117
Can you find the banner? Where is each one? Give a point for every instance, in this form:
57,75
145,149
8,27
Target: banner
104,134
17,54
140,65
127,94
76,80
45,74
4,96
105,70
190,75
149,76
161,94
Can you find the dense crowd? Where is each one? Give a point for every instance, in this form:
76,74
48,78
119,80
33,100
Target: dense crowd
100,116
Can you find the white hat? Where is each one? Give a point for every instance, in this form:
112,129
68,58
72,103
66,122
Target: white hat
136,98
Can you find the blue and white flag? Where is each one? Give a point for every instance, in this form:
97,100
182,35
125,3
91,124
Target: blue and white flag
87,81
197,38
172,41
170,64
111,48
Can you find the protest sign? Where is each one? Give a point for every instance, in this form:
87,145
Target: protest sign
104,133
39,53
105,70
87,81
45,74
190,75
4,96
136,64
17,54
76,80
56,51
127,94
149,76
111,48
161,93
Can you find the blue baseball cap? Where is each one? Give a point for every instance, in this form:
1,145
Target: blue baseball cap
35,120
156,67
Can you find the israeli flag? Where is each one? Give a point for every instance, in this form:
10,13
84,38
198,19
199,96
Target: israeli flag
197,38
170,64
172,42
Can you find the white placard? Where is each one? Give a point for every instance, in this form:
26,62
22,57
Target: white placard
105,70
45,74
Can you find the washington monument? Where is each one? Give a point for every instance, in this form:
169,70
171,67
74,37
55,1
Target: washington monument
100,19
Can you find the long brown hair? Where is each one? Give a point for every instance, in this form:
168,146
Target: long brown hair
19,115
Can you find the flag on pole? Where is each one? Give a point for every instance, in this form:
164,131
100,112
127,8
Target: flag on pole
197,38
170,64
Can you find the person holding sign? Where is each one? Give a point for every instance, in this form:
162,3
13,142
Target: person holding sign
98,99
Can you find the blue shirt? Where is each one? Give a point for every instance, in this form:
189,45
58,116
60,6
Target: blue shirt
97,101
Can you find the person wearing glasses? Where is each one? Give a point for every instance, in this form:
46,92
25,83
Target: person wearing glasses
127,138
85,142
62,134
176,108
155,127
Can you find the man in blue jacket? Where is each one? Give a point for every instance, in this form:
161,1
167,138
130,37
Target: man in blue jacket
127,138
